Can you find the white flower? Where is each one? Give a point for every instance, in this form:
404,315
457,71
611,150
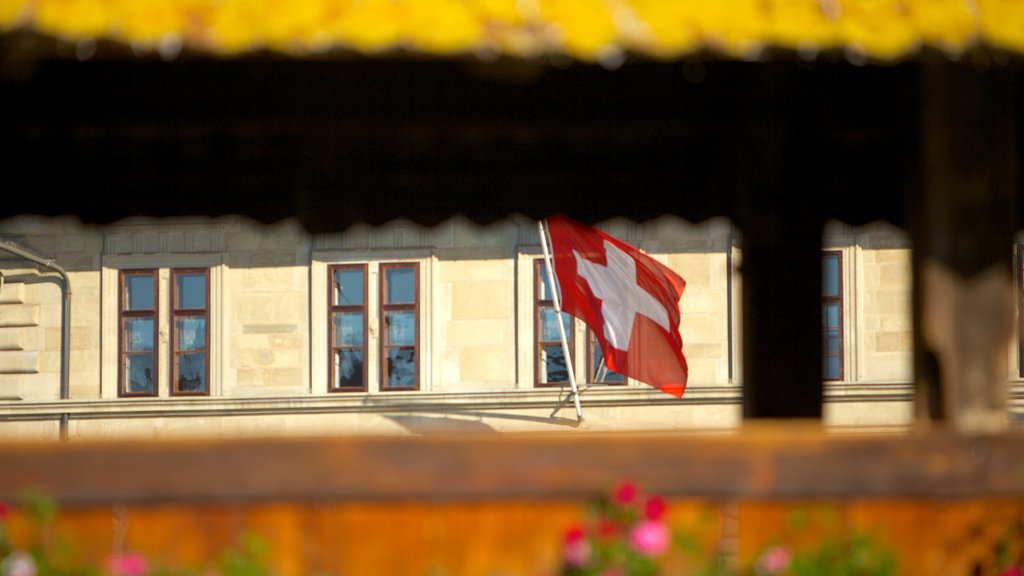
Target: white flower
18,564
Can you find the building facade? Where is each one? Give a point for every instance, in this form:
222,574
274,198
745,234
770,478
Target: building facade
230,327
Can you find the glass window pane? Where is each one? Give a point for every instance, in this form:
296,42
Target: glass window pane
348,329
402,368
191,372
553,368
401,285
139,374
348,369
348,287
832,342
138,334
601,371
401,326
832,368
191,289
139,289
545,285
191,332
831,314
548,327
830,275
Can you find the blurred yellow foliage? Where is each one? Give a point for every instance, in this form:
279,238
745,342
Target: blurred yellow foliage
583,29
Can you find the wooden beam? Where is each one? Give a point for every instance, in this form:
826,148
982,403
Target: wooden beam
762,461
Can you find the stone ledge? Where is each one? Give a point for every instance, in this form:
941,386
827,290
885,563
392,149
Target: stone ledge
19,315
419,402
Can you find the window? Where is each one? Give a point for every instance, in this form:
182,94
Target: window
395,310
348,328
597,371
190,367
399,326
139,327
832,315
549,360
551,367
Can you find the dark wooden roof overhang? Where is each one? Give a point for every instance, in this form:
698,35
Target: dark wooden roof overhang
779,145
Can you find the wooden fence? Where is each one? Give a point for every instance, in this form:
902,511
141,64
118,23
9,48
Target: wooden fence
481,505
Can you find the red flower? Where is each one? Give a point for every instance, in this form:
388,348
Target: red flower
607,529
655,508
4,510
573,535
577,549
626,493
1012,571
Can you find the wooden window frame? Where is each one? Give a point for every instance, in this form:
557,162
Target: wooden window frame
838,300
332,309
123,315
178,312
538,344
383,308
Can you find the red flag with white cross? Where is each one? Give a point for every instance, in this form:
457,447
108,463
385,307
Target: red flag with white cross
628,299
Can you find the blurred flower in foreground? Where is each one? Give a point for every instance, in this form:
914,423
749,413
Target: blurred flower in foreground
127,565
577,549
18,564
650,537
774,560
626,493
624,535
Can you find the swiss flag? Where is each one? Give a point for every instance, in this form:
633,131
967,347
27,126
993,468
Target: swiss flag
629,300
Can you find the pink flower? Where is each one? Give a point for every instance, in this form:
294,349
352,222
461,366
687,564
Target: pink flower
649,537
577,553
655,508
774,560
18,564
625,493
131,564
577,549
1012,571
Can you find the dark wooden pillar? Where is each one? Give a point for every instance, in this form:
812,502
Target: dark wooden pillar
962,219
781,224
782,342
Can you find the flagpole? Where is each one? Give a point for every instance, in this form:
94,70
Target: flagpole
558,316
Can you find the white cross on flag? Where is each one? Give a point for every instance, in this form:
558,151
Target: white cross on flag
629,300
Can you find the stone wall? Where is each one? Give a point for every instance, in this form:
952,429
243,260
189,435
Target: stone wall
269,330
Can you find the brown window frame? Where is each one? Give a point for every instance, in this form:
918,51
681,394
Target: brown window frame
838,301
123,315
539,304
178,312
383,308
333,309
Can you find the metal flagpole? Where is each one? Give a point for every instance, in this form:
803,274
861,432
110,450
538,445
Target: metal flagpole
558,315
